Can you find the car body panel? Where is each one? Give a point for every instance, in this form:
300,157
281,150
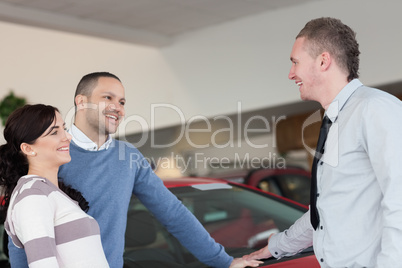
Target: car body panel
239,226
152,246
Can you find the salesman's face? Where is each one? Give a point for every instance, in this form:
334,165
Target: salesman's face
305,70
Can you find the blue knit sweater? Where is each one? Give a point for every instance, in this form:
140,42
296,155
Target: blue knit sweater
108,178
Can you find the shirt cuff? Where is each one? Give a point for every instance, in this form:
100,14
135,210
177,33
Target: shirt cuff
273,248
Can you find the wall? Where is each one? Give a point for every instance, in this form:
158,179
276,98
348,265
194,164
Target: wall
204,73
248,60
45,66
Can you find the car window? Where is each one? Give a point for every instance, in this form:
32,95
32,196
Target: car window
296,187
270,184
238,218
292,186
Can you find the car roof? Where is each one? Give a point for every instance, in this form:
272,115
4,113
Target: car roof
189,181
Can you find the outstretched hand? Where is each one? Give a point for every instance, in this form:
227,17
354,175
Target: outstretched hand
241,263
259,254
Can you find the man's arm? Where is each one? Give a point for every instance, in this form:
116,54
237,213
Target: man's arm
263,253
17,256
180,222
287,243
383,131
177,219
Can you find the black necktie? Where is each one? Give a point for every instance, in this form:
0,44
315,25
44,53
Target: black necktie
314,217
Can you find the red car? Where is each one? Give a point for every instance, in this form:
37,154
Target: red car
239,217
293,183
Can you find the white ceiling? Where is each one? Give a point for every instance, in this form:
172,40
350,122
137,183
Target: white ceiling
145,22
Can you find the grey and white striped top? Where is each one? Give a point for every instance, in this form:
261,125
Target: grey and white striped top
51,227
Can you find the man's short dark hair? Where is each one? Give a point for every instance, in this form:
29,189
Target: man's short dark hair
88,83
331,35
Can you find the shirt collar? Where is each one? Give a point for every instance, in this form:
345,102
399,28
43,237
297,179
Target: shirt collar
82,140
341,99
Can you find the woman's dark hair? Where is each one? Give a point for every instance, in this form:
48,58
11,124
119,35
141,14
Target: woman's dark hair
24,125
74,194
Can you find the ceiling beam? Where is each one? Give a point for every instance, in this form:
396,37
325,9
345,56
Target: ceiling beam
59,22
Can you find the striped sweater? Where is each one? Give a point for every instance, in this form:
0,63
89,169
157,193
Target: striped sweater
51,227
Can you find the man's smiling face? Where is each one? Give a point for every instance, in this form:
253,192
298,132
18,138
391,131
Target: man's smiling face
106,106
305,70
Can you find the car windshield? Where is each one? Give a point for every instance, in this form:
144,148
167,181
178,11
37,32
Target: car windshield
238,218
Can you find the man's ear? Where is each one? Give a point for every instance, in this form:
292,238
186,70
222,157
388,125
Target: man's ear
326,61
80,101
27,149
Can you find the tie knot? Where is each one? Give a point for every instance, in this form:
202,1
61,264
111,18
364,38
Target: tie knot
326,123
326,120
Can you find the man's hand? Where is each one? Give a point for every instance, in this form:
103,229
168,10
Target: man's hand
260,254
241,263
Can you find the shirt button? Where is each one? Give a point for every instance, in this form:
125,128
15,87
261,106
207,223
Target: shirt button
276,253
321,162
322,227
321,260
318,194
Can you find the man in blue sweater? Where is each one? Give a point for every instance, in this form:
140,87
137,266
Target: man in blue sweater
104,171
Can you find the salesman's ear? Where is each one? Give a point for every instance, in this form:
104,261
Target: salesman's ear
326,60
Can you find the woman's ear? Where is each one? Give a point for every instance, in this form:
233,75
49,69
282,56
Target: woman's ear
27,149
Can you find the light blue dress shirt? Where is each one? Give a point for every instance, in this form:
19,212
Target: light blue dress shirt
359,182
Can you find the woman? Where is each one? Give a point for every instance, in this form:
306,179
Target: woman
41,216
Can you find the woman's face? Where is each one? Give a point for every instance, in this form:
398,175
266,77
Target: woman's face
52,148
